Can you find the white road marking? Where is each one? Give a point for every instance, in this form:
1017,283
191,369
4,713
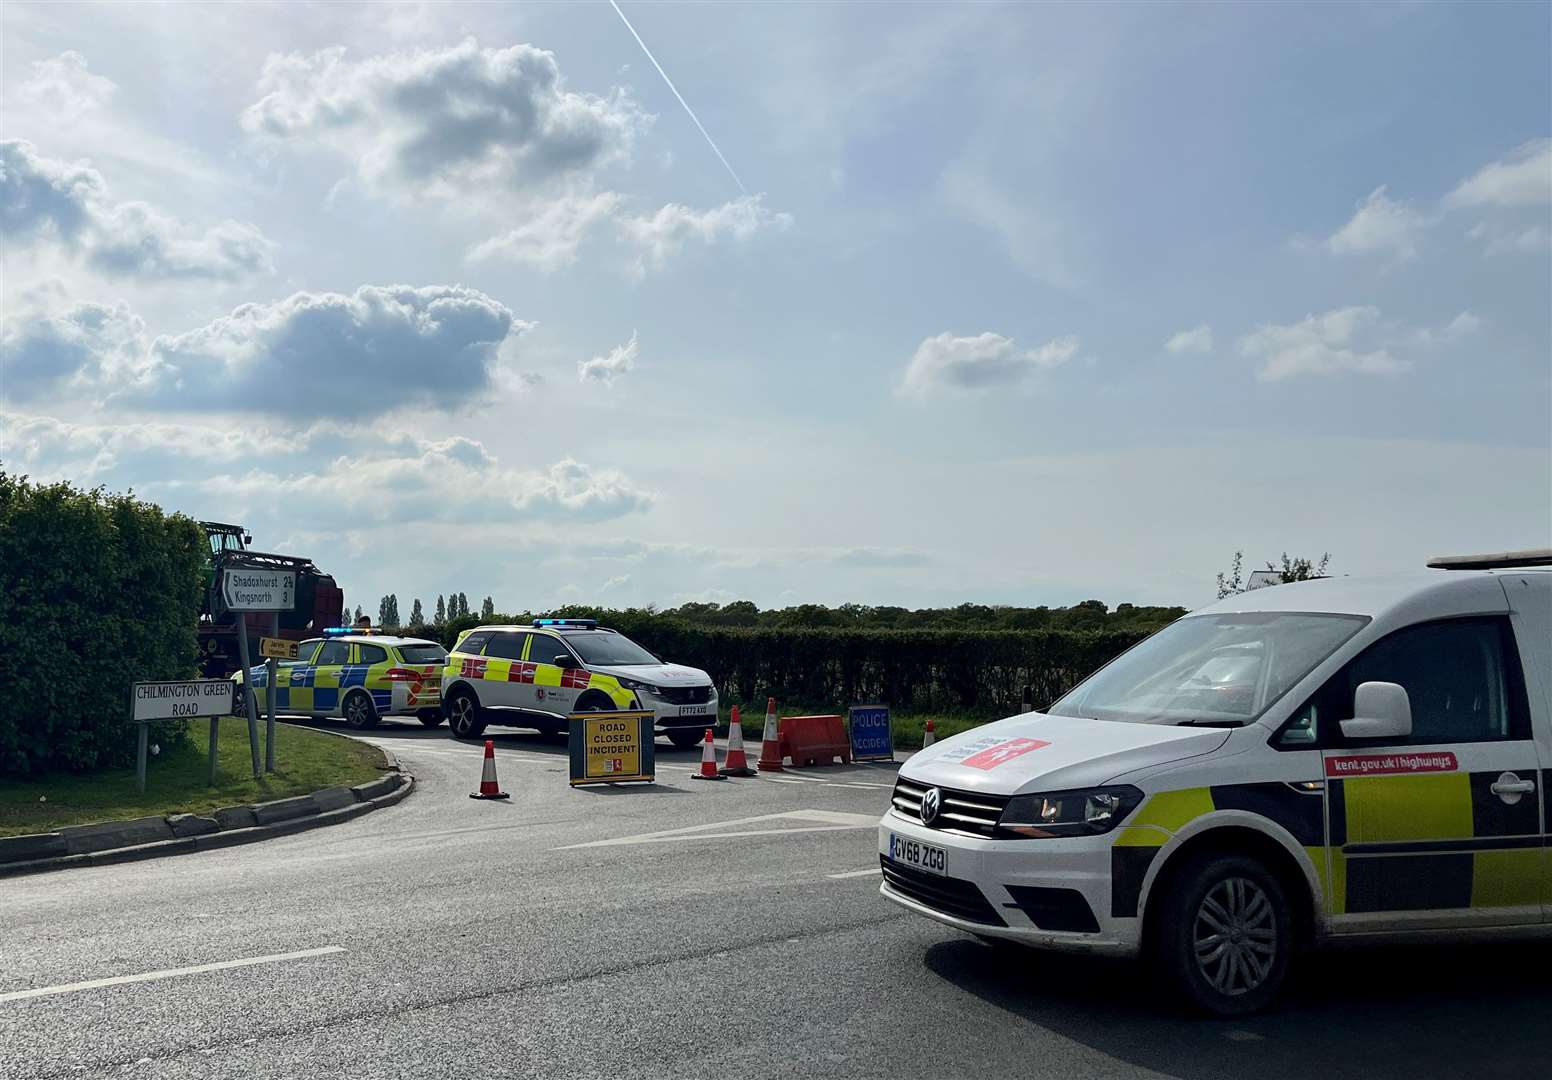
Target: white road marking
813,821
855,873
778,780
119,980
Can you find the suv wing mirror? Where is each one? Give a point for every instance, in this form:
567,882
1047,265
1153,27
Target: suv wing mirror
1381,710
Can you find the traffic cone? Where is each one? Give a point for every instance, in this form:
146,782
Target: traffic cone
929,736
489,789
708,761
770,744
736,764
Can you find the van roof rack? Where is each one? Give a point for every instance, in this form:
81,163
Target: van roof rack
1500,560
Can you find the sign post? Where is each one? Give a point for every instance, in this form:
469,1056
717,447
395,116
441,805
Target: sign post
245,589
269,700
872,737
611,747
183,700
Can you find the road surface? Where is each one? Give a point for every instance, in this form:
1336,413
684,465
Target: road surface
688,929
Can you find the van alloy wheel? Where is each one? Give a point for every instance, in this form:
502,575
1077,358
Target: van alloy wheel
1235,936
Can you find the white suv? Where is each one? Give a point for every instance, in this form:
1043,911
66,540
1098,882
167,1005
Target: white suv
1333,759
535,676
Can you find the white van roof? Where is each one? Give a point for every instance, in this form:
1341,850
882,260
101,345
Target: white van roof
1430,591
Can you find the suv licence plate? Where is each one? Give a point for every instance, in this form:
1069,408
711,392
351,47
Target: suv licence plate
914,853
692,710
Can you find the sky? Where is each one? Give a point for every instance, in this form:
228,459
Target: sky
917,304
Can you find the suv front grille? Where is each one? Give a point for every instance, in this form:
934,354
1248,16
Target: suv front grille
961,899
967,813
685,695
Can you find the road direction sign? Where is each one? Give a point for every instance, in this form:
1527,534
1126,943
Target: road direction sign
872,739
279,648
611,747
258,590
184,699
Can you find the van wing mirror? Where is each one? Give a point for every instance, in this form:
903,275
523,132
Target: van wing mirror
1381,710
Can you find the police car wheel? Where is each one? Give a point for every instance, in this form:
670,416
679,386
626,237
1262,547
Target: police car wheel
683,740
429,717
359,711
1226,937
463,715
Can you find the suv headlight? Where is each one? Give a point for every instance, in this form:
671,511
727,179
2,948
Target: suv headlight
638,687
1085,812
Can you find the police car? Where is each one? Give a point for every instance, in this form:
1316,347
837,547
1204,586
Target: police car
535,676
1329,760
357,674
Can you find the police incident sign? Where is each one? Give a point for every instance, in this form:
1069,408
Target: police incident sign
180,700
611,747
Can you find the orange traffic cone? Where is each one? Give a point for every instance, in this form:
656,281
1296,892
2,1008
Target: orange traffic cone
489,789
929,736
708,761
736,764
770,744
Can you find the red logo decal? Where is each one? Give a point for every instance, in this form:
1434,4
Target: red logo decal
1390,764
1003,752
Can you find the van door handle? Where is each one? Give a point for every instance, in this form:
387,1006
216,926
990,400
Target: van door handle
1509,787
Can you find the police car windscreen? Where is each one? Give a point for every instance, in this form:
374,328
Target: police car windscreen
1210,668
596,647
423,654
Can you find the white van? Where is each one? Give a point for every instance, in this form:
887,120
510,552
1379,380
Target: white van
1340,758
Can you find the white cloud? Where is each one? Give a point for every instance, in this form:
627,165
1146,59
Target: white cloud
1036,242
45,200
605,369
619,581
1461,326
451,122
62,85
1522,177
1380,225
1197,340
550,238
1496,240
309,356
663,234
983,362
1319,345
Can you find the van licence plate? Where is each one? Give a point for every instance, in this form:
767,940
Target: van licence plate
914,853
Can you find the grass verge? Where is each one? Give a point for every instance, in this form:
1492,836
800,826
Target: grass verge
305,761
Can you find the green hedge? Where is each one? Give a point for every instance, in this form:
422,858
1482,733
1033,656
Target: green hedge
97,591
981,672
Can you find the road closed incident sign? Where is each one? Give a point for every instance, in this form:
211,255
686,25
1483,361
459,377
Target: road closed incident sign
183,700
611,747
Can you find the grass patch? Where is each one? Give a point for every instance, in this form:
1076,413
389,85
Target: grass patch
305,760
907,727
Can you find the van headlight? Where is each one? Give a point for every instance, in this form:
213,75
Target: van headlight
1085,812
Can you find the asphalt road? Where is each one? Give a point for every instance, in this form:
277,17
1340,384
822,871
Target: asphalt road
563,934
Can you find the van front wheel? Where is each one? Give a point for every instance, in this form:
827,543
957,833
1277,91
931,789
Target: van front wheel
1225,938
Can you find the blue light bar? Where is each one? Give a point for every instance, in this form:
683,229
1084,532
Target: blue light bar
587,624
340,631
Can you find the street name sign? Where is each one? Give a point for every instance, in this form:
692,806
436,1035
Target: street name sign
278,648
872,738
259,590
184,699
611,747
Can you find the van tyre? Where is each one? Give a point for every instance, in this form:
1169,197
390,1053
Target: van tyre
463,714
359,711
1226,935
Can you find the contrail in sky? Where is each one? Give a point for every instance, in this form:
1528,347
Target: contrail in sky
709,141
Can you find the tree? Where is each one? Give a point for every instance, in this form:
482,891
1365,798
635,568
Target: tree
393,610
1292,569
358,613
463,604
441,611
417,617
487,608
382,612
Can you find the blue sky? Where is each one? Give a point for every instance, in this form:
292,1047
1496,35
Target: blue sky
1023,304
